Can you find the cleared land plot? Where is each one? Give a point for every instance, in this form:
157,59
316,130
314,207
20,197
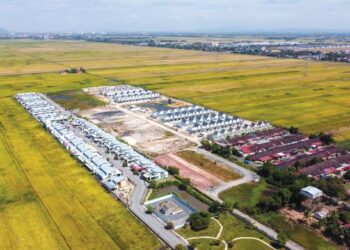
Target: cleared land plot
199,178
49,201
214,168
75,99
141,134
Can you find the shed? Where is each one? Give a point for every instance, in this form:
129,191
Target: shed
311,192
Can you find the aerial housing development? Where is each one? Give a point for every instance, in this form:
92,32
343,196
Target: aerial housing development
184,141
102,140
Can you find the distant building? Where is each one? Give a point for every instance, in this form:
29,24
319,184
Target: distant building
323,213
311,192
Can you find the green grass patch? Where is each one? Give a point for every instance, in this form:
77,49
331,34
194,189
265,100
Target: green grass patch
212,231
75,99
247,195
206,244
299,233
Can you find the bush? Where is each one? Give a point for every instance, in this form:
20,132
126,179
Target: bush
215,207
347,175
281,239
173,170
230,244
215,243
149,210
199,221
293,130
169,225
73,70
180,247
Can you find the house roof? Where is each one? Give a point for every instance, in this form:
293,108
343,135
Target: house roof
311,191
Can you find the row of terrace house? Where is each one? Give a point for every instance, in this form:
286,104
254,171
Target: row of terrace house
176,114
199,120
54,120
284,149
334,166
39,108
120,150
127,93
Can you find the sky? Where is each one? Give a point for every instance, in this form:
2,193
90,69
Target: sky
175,15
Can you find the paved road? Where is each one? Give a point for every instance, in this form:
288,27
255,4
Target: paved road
170,237
139,193
137,197
247,175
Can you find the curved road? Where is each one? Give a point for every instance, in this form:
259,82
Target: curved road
247,175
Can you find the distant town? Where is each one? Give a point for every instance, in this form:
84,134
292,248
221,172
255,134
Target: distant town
320,47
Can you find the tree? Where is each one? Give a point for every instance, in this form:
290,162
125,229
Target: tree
314,161
267,204
332,186
185,182
169,225
266,170
346,176
285,195
297,165
206,144
73,70
326,138
150,209
214,207
125,164
293,130
281,239
199,221
173,170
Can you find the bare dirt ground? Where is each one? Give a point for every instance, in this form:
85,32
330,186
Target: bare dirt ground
199,178
147,138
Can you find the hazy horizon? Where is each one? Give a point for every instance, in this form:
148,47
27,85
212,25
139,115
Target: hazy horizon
197,16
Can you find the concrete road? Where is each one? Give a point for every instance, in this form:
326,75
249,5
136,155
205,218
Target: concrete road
247,175
134,204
